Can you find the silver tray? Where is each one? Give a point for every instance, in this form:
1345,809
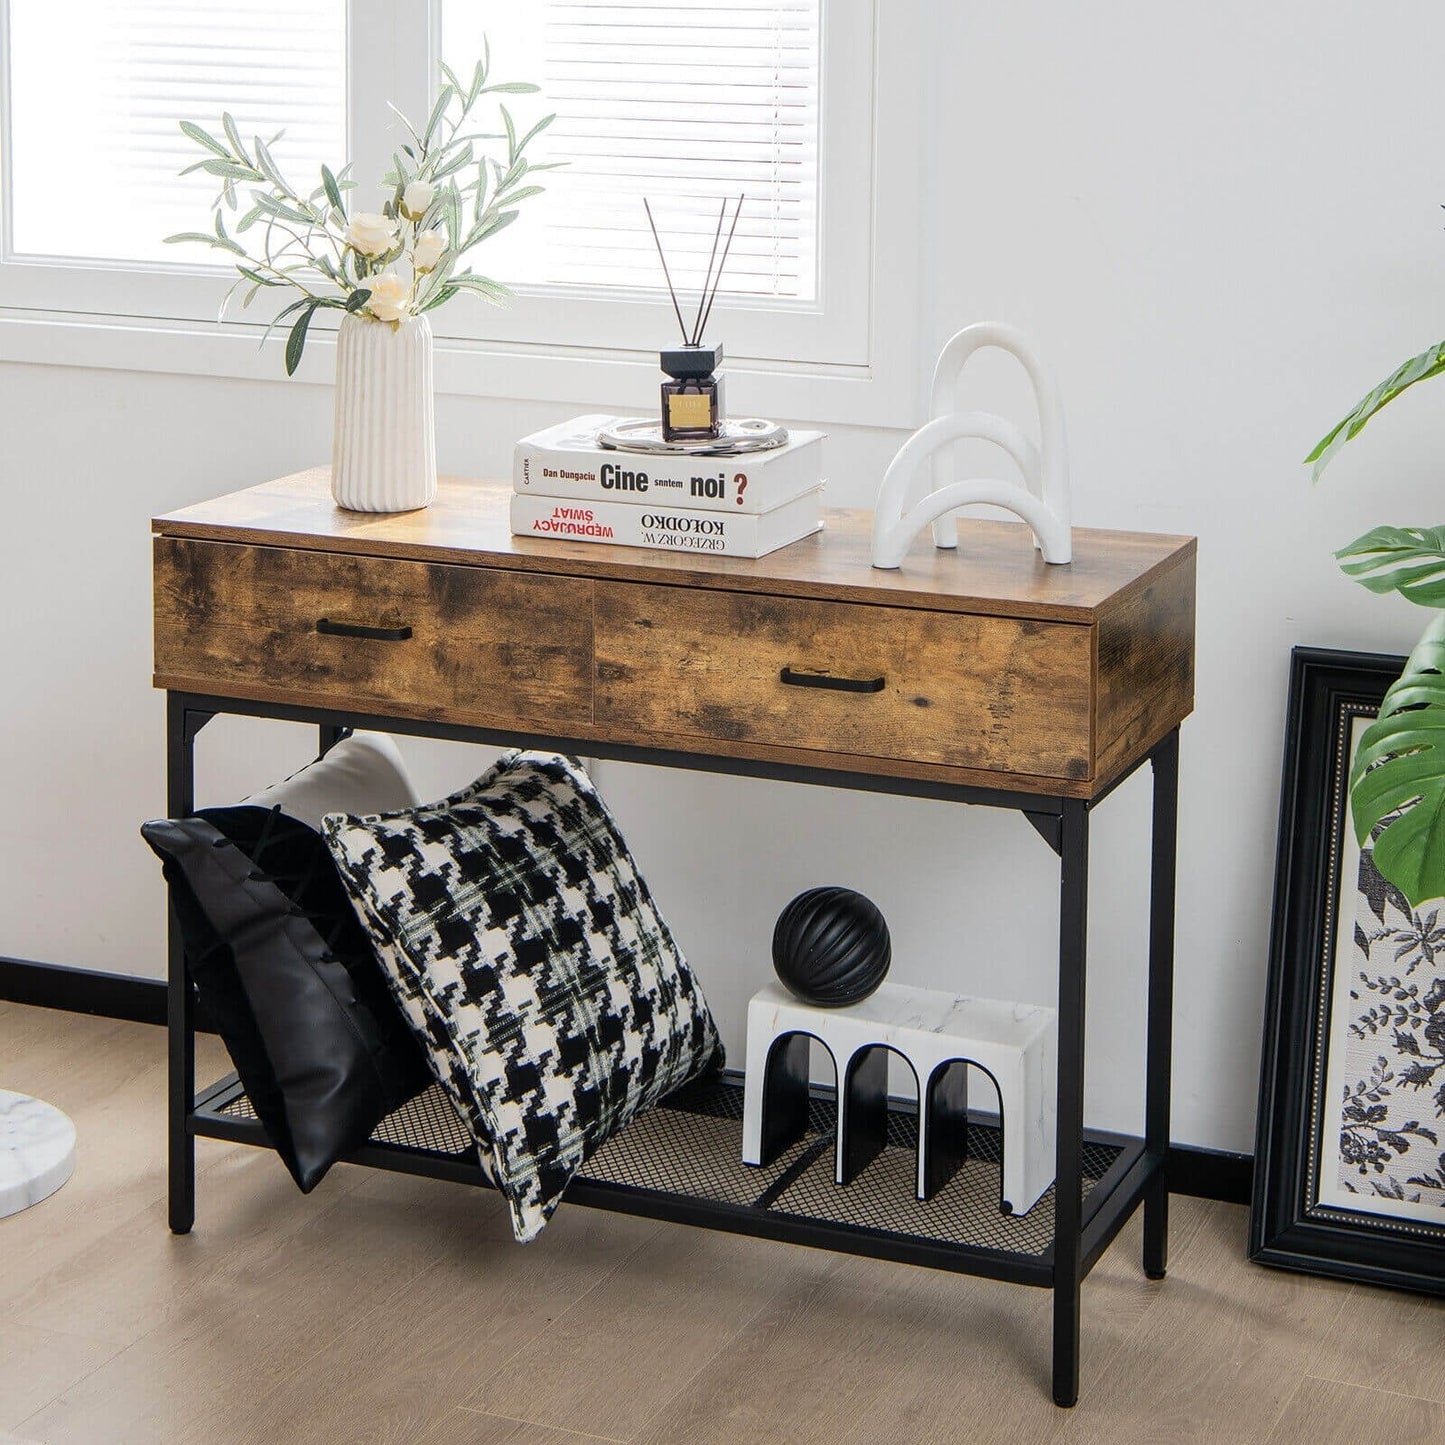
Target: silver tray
740,435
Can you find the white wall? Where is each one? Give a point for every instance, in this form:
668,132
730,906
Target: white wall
1222,225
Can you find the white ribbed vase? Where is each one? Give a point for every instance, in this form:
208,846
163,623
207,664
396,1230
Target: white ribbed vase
383,450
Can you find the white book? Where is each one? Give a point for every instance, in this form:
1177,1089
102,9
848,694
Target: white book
566,461
670,529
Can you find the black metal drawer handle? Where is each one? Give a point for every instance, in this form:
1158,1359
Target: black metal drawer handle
328,628
838,684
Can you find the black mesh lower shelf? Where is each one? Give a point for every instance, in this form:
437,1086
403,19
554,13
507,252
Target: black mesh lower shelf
687,1153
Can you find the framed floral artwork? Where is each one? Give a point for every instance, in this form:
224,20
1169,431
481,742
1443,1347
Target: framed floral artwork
1350,1145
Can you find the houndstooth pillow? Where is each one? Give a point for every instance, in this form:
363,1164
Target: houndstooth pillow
555,1003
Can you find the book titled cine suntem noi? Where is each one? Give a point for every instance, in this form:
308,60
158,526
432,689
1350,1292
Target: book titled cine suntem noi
566,461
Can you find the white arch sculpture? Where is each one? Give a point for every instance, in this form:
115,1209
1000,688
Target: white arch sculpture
1043,503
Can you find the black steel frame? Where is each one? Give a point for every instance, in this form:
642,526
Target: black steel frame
1083,1229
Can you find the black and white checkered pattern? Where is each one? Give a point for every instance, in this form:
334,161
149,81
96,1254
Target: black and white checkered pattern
529,953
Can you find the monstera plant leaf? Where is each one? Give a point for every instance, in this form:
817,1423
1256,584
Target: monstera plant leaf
1398,777
1428,363
1407,560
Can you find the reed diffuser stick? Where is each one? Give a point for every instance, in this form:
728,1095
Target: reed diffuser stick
702,295
681,324
728,247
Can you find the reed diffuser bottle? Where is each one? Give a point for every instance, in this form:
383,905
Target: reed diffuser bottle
692,397
692,401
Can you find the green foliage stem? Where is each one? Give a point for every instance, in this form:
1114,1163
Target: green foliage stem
301,241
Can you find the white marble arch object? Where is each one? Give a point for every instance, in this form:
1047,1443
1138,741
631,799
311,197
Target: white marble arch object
1042,500
1015,1043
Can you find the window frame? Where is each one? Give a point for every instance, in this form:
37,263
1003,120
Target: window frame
186,289
833,328
855,362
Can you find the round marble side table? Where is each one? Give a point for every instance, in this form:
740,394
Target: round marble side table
37,1151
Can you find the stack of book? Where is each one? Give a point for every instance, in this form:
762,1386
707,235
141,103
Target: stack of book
565,485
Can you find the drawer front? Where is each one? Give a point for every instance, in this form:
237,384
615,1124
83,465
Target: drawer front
436,641
957,689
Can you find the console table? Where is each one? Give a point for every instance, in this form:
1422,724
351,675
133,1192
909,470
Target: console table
982,676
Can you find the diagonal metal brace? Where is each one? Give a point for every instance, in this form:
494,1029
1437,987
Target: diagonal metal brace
1049,827
194,722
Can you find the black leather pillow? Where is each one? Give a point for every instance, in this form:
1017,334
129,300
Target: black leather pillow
291,980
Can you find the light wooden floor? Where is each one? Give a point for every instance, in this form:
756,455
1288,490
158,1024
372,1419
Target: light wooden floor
390,1309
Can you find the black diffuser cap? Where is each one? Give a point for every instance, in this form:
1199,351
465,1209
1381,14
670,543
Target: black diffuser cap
683,362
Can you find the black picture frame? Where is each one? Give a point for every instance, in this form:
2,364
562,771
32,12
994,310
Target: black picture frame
1290,1227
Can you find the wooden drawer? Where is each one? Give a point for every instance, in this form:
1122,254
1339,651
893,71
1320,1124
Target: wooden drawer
484,645
964,690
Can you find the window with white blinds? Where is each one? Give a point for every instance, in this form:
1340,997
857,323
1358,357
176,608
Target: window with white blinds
96,93
691,106
786,103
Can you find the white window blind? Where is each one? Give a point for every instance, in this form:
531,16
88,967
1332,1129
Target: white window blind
683,104
97,89
783,101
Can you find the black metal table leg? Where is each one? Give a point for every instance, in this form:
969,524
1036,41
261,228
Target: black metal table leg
182,724
1159,1043
181,1024
1068,1174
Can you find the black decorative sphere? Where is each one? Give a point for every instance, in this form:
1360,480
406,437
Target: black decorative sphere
831,946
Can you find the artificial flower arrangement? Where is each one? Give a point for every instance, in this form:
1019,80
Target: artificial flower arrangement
447,196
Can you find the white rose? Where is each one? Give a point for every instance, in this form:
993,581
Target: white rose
415,199
390,297
428,250
371,234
